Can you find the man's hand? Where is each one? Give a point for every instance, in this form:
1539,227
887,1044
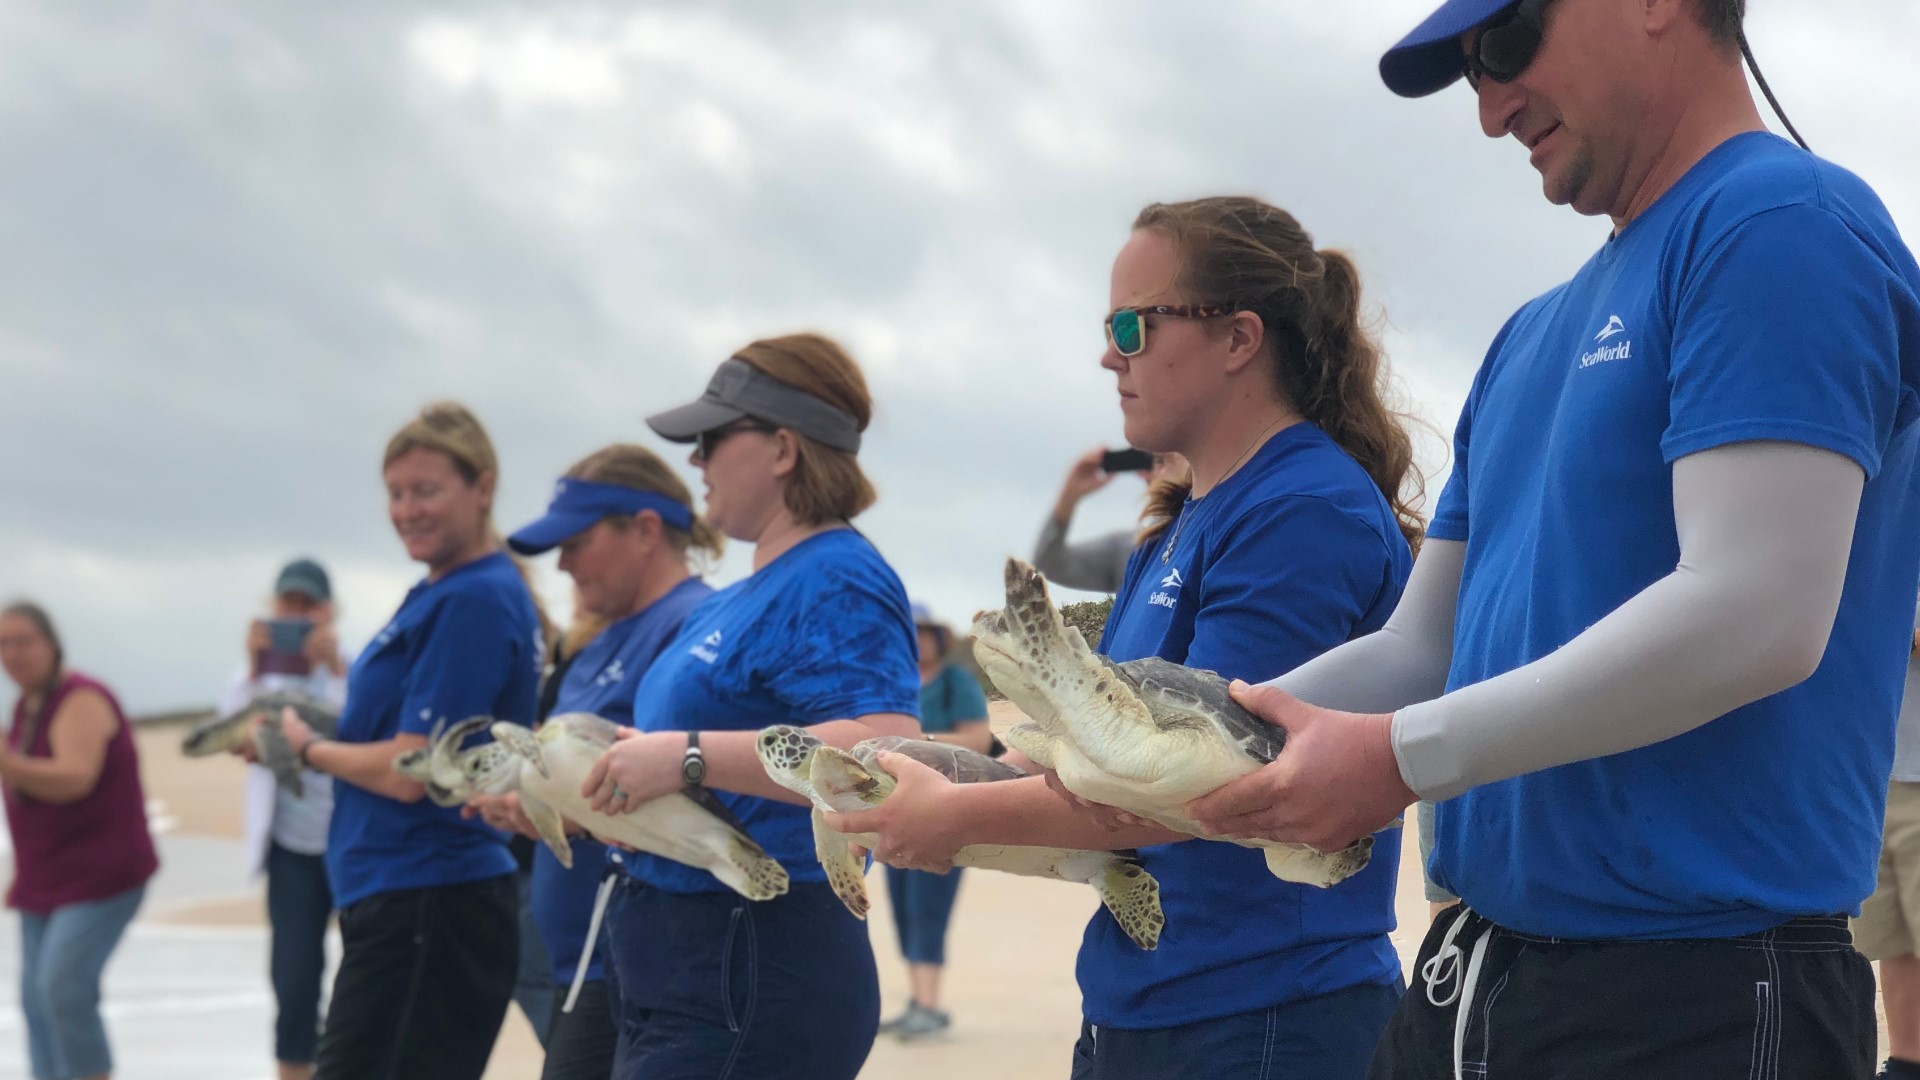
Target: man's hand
1335,782
916,826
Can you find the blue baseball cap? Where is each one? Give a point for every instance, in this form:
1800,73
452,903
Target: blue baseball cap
1428,60
578,504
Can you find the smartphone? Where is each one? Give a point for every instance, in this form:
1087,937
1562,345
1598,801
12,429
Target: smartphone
1119,461
286,652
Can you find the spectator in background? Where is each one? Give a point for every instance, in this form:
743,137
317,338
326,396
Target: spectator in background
286,833
1100,564
1888,929
953,709
428,917
81,851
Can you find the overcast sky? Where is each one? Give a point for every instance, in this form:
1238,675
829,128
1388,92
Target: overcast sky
243,243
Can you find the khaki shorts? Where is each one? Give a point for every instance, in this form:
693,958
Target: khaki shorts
1889,922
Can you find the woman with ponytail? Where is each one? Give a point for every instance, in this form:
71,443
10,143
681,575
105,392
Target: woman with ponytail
428,911
1239,346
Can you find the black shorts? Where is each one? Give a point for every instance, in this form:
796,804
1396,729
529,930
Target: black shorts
424,980
1791,1003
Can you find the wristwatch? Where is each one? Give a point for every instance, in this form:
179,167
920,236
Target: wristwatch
308,749
693,767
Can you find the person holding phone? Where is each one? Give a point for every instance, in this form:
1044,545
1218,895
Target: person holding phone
294,648
82,855
429,921
1100,564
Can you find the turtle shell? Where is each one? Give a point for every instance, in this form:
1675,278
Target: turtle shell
956,763
1166,687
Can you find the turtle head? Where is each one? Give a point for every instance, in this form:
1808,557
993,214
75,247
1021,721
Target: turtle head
841,781
490,769
523,742
417,765
784,750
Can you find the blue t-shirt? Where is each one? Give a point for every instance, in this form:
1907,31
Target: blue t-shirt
821,633
952,698
1293,555
600,681
1766,296
465,645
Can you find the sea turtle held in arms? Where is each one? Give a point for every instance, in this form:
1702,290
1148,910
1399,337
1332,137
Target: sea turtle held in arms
223,733
835,779
449,773
691,826
1147,736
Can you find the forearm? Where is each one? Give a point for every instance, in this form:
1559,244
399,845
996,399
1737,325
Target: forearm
1028,813
46,779
1765,530
1404,662
733,762
368,766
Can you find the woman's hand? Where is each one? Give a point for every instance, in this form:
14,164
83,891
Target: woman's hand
917,826
1083,479
297,733
503,812
638,768
259,640
323,649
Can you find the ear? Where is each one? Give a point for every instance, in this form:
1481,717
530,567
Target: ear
648,529
1245,336
485,486
1657,17
787,453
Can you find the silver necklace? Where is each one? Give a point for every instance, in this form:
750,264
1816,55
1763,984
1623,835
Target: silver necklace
1174,533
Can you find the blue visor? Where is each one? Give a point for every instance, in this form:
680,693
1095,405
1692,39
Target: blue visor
1429,59
577,504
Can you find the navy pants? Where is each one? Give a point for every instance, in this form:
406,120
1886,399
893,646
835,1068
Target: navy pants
1330,1037
299,900
713,986
922,907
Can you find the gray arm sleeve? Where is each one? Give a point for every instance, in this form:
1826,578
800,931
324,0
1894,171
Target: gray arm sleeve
1095,565
1404,661
1765,529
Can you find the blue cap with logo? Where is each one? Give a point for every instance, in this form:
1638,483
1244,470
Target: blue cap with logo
1429,59
578,504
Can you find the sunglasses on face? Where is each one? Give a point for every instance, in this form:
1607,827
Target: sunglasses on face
1127,327
705,443
1505,46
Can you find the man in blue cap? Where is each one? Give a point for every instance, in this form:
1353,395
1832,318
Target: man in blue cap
1649,661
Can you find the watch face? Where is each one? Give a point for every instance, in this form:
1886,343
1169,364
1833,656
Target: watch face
694,771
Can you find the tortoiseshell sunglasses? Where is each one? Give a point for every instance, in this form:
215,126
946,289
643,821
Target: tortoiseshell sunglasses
1127,327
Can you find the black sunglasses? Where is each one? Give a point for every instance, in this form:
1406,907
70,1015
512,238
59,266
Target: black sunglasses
1506,44
705,443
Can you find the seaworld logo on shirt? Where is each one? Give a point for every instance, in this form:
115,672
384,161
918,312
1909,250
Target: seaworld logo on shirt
1619,351
612,674
709,649
1165,597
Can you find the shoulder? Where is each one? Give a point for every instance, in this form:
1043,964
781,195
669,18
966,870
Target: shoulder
843,561
1314,487
493,586
89,701
1795,198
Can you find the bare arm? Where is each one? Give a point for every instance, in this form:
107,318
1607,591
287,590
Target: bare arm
646,765
77,736
1765,529
369,765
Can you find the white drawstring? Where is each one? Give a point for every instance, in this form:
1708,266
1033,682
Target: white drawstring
1444,967
593,935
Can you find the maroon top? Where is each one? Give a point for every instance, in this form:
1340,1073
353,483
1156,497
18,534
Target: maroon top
91,849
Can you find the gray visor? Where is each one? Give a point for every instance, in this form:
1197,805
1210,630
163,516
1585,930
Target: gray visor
737,390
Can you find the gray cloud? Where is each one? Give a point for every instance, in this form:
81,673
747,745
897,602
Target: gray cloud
246,242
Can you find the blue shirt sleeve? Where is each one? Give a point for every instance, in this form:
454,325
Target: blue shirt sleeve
850,652
1782,331
1295,578
462,663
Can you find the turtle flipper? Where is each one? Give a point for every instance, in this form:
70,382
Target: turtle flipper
1034,741
760,875
1133,896
552,829
270,746
845,873
1299,863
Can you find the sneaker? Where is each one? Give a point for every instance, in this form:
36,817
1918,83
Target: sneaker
921,1023
888,1027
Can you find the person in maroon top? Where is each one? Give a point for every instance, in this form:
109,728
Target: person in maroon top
82,854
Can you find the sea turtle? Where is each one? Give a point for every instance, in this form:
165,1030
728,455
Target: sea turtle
691,826
835,779
451,774
223,733
1146,736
